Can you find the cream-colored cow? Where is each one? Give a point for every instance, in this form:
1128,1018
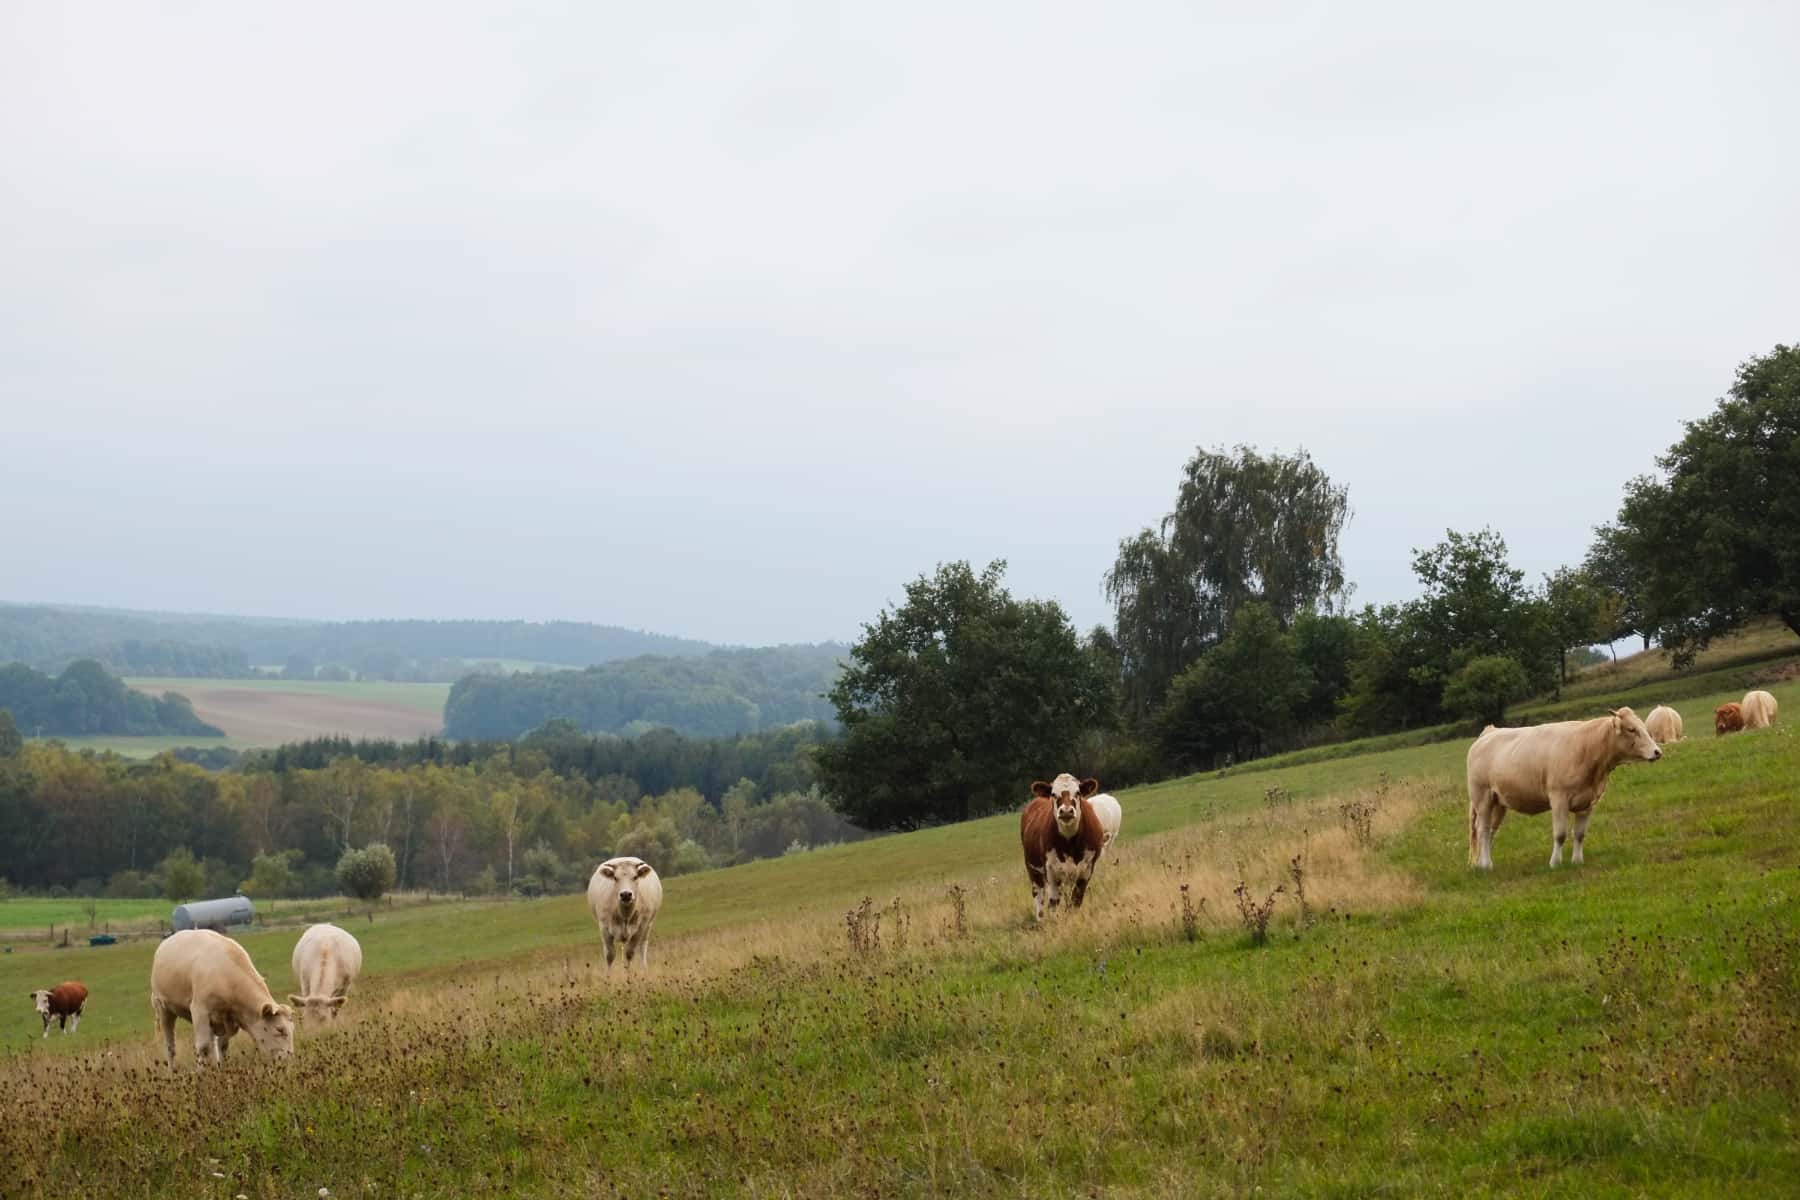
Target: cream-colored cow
1561,767
1664,724
625,895
326,962
208,979
1759,710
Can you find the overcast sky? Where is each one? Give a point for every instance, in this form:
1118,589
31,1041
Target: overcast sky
726,320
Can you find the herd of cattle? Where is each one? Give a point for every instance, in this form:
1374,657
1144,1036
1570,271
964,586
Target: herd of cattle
208,980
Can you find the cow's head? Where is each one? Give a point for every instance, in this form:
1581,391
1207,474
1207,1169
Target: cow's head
1631,739
272,1029
625,876
41,999
1066,795
1727,718
323,1009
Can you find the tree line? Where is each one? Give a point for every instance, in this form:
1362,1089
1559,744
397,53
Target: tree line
1232,637
84,700
49,638
521,818
718,694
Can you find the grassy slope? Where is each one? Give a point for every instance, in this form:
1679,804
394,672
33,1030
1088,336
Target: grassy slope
1625,1028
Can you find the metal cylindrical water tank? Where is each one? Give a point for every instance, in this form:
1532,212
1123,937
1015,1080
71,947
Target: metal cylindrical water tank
213,914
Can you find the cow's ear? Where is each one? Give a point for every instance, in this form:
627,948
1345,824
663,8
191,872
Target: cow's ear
269,1009
1040,788
1089,786
643,870
296,1001
338,1001
608,871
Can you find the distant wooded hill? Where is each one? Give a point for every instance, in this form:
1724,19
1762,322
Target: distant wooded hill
49,637
716,695
85,700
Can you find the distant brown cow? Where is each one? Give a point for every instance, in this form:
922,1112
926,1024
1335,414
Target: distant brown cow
1728,718
1063,838
62,1004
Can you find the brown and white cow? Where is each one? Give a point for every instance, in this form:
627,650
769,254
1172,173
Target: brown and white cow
1562,767
1728,718
1062,837
62,1004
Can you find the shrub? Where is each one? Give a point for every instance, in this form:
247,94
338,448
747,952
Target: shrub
1484,687
366,873
182,877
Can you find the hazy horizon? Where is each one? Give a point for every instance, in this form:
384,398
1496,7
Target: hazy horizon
726,324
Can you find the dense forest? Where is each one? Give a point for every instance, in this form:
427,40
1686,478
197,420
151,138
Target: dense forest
49,638
85,700
493,818
719,694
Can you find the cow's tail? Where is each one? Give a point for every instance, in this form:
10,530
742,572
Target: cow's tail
1474,838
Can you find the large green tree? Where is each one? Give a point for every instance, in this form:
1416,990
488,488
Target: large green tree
1717,534
957,699
1245,528
1244,692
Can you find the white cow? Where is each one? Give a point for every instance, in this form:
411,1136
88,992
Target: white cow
208,979
1759,710
327,961
624,896
1561,767
1664,724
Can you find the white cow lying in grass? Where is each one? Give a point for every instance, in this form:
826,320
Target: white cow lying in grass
327,961
208,979
1561,767
624,896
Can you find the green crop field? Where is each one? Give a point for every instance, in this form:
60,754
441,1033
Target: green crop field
1411,1028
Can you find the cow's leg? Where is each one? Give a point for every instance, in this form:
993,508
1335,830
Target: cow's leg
644,950
165,1029
1495,814
1559,827
74,1020
206,1042
1581,820
606,937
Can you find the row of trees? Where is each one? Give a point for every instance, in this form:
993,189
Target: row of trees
510,821
1231,637
715,695
48,638
84,699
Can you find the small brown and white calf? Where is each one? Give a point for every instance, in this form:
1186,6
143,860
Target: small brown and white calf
62,1004
1062,837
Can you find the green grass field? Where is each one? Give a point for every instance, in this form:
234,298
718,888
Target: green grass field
1630,1027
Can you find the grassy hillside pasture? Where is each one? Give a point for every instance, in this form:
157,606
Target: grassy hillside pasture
1625,1028
269,712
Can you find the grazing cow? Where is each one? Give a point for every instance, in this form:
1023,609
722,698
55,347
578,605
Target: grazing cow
62,1004
207,979
1561,767
1727,718
327,961
624,895
1105,806
1664,724
1759,710
1062,837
